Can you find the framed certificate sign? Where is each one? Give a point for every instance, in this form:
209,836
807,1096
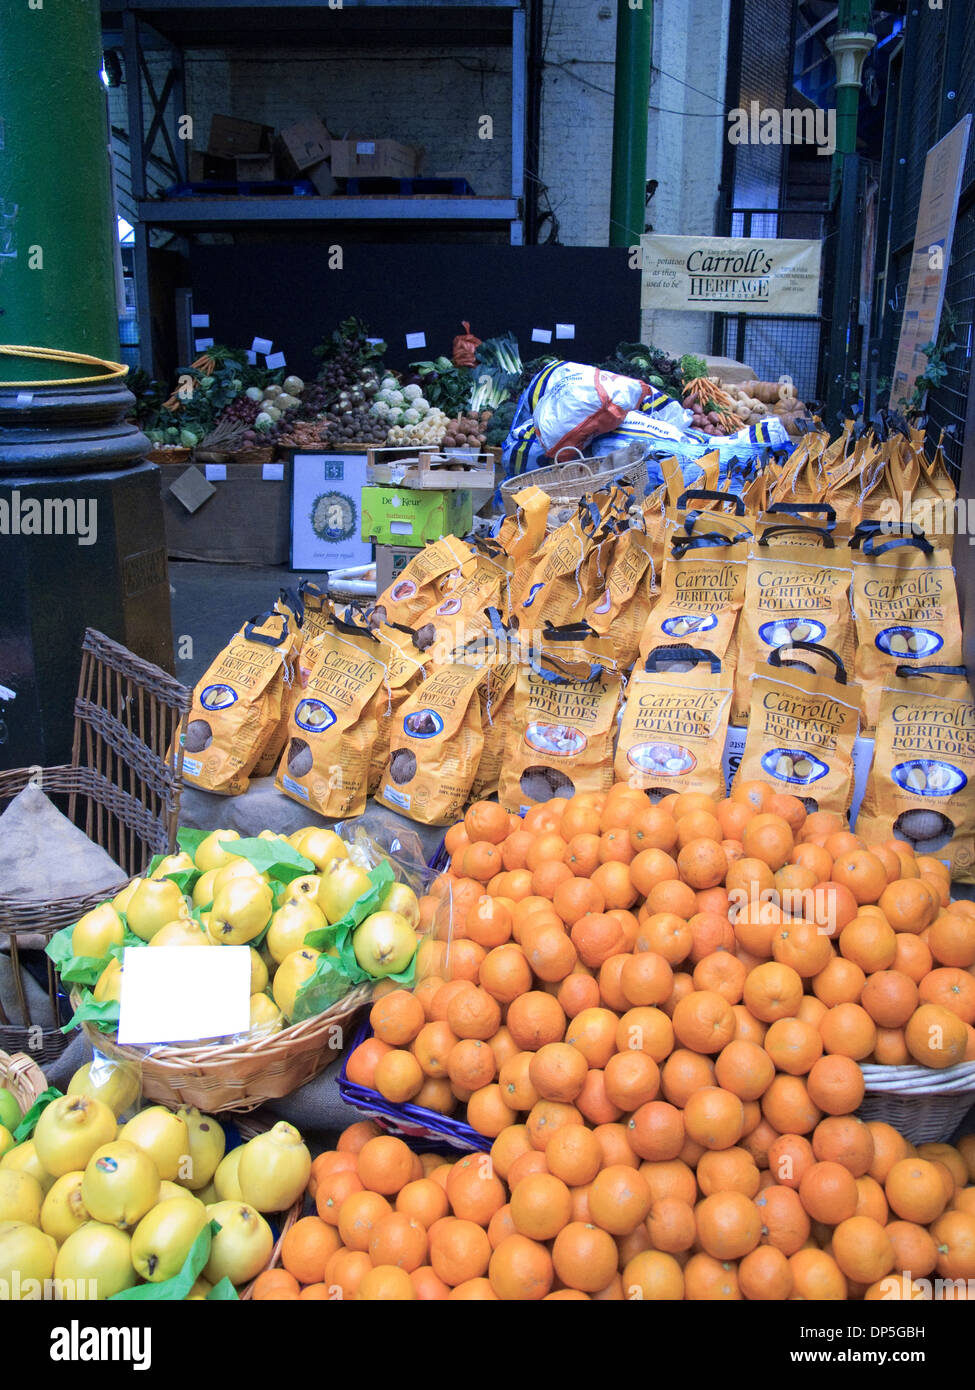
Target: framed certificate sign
326,511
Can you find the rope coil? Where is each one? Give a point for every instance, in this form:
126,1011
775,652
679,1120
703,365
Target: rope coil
112,370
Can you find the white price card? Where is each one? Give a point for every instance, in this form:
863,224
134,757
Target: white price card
201,344
565,330
272,472
365,147
274,360
416,340
541,335
251,359
199,320
215,472
176,995
261,345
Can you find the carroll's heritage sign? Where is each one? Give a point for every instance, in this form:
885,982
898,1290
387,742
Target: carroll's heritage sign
735,275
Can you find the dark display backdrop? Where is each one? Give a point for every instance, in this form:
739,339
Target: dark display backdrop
286,292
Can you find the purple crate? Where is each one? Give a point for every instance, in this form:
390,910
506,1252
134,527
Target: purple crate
410,1122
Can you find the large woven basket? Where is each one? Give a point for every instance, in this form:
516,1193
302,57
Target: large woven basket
926,1106
569,482
21,1075
217,1077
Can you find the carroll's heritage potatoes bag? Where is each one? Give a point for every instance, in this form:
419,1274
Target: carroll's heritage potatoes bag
801,730
560,735
920,784
435,746
620,612
428,577
701,592
673,725
237,706
555,586
458,617
333,724
497,701
906,611
792,594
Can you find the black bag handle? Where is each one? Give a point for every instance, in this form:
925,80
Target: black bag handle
806,509
707,495
775,658
294,600
680,651
921,543
342,624
903,672
680,545
308,586
819,531
268,638
567,632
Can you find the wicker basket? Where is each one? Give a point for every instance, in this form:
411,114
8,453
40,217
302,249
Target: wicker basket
926,1106
122,788
240,1076
254,455
568,483
22,1076
174,455
212,455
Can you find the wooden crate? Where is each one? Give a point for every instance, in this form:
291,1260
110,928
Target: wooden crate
409,467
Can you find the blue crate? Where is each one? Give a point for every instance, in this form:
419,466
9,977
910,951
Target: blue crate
363,186
213,188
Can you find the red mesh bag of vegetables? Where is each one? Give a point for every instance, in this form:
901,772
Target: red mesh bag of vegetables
465,346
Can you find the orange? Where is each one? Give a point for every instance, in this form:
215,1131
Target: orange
361,1065
683,985
645,1030
745,1069
703,1021
579,990
787,1106
398,1240
619,1199
540,1206
597,936
954,1235
784,1220
646,978
489,922
546,1117
844,1139
592,1101
727,1170
728,1225
505,973
670,895
871,1200
574,899
915,1191
836,1085
656,1131
869,943
951,989
474,1013
584,1257
915,1251
473,1290
353,1137
500,1226
613,880
828,1192
714,1118
471,1064
840,983
936,1037
951,939
432,1047
889,997
949,1156
486,820
333,1191
654,1276
574,1155
652,827
610,990
593,1033
427,1284
831,906
548,949
463,960
357,1217
534,1019
671,1226
709,1280
907,905
424,1200
813,857
849,1030
545,817
790,808
557,1071
702,863
802,946
546,848
514,849
765,1275
515,1081
274,1285
632,1079
520,1269
396,1019
683,1073
667,935
863,873
398,1076
768,837
817,1277
790,1156
749,878
487,1111
711,932
773,991
794,1046
473,1191
481,860
652,866
459,1250
582,854
386,1283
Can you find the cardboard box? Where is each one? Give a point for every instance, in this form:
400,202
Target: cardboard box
255,168
206,168
247,521
407,516
303,145
230,137
322,178
391,561
374,159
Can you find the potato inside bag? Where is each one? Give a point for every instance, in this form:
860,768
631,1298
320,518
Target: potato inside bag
333,724
793,593
906,609
920,784
801,729
428,578
237,706
560,736
702,589
435,746
674,723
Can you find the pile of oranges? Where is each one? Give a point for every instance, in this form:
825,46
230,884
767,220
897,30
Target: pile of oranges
657,1013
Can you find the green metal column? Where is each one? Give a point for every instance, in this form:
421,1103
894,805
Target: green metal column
850,47
631,104
57,221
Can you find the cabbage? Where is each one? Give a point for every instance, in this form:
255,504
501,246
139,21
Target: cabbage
254,393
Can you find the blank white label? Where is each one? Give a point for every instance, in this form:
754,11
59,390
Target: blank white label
215,472
365,147
272,472
541,335
416,340
177,995
199,320
202,343
275,359
565,330
401,528
261,345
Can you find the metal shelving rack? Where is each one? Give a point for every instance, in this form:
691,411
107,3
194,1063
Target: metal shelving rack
139,27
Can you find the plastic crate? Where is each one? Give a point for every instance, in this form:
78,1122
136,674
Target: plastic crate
410,1122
